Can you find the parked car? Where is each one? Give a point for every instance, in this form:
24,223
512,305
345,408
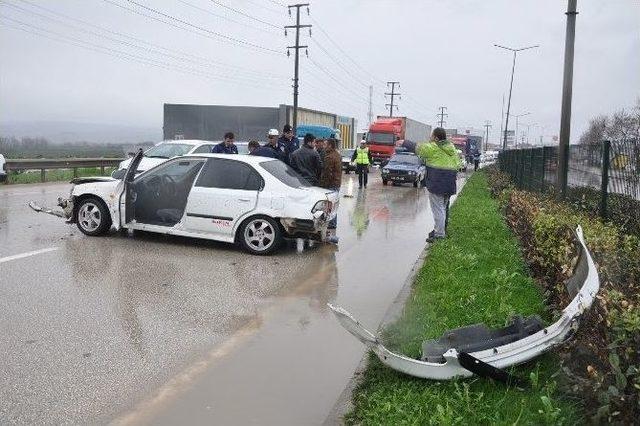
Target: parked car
255,202
3,169
163,151
346,160
404,167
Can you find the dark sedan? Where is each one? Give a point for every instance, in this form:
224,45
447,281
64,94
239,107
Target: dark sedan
404,168
346,160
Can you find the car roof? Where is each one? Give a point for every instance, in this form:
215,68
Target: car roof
187,142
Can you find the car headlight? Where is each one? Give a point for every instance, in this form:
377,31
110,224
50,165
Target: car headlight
411,172
385,171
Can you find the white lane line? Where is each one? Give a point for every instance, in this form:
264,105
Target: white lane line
27,254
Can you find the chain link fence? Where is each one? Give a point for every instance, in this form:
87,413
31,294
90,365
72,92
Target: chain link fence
603,179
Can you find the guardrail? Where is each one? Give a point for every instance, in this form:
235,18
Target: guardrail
44,164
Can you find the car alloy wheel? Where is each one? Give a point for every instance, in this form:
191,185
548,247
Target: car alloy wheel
89,217
259,235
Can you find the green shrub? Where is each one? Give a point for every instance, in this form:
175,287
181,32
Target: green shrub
603,361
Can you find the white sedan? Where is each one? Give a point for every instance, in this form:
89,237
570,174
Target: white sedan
255,202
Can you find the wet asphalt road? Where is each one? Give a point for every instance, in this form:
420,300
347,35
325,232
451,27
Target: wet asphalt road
164,330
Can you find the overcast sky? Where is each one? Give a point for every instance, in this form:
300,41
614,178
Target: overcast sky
123,68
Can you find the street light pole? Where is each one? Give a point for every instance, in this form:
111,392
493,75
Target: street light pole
567,89
517,117
513,68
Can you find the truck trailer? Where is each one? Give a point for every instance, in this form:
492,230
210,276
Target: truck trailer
386,133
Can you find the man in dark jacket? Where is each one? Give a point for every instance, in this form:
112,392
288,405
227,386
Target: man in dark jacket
331,178
288,143
226,146
306,161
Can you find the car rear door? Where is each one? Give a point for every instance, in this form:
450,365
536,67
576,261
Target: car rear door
224,193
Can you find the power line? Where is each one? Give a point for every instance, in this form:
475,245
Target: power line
239,12
337,62
242,43
209,12
297,48
120,54
393,94
442,115
321,68
174,54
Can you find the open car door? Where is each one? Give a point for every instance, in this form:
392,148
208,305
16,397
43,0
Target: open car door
126,195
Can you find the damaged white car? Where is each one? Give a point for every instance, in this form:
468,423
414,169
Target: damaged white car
255,202
477,349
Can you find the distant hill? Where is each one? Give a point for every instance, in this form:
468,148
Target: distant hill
69,132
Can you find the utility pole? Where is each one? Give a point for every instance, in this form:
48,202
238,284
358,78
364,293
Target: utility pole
370,114
567,89
487,126
297,48
513,68
442,115
392,94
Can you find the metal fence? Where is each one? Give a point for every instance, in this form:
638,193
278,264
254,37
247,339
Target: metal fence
74,164
602,179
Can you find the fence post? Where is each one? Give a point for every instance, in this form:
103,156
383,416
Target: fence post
75,172
604,187
43,176
543,165
530,182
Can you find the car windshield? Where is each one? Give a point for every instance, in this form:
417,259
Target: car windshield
168,150
381,138
285,174
405,159
347,152
243,148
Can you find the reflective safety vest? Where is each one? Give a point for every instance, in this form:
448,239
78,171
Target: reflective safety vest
362,156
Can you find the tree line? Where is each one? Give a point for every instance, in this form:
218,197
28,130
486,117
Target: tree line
37,147
619,126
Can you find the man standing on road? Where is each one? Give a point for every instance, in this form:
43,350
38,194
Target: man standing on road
306,161
362,158
320,147
288,143
441,159
226,146
331,178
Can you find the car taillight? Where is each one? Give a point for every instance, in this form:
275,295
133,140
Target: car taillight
322,205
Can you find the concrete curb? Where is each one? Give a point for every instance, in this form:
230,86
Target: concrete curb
344,402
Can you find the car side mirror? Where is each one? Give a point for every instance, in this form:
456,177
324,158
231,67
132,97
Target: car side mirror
131,154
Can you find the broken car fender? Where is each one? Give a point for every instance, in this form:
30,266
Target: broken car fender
499,356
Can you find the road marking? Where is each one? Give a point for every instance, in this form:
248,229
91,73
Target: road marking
27,254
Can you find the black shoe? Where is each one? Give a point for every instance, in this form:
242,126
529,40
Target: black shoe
433,239
431,234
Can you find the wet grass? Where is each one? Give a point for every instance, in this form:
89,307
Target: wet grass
476,275
56,175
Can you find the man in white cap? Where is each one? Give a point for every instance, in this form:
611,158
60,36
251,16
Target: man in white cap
272,148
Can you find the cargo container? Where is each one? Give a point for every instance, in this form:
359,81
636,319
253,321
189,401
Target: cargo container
386,133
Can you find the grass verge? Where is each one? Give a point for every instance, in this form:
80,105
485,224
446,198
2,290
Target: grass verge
56,175
476,275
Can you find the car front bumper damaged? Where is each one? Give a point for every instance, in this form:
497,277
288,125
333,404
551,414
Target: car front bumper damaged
483,351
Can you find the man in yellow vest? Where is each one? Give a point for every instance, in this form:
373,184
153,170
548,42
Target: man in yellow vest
441,159
362,158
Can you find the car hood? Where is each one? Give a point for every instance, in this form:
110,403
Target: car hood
145,164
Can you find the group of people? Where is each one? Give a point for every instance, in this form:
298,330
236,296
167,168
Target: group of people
317,160
320,163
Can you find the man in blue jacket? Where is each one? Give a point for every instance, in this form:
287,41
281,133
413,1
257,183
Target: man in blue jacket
288,142
226,146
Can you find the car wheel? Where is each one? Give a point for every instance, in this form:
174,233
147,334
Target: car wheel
384,181
260,235
92,217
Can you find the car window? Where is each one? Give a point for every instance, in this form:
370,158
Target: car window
174,169
229,174
405,159
168,150
202,149
285,174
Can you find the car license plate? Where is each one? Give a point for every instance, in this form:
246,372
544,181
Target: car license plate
397,178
